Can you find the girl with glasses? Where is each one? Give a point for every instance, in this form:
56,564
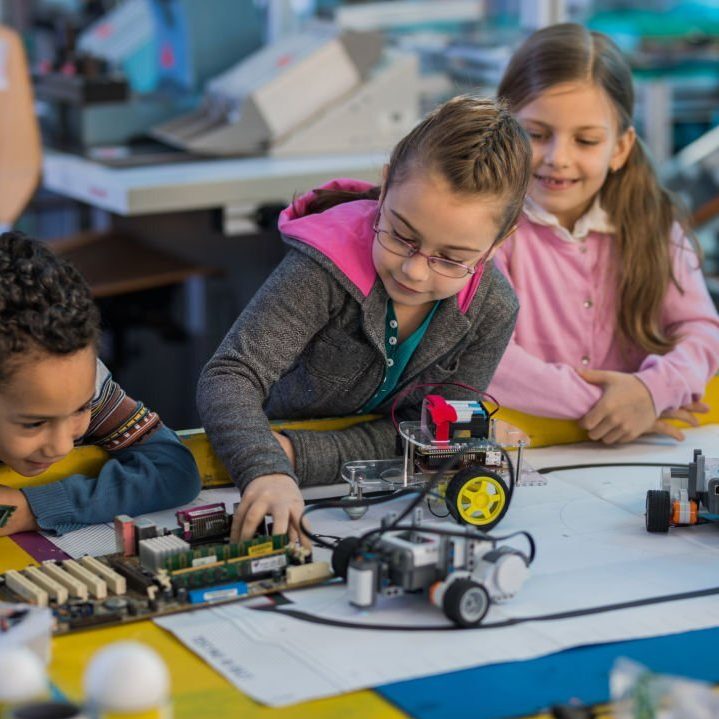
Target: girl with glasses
382,287
616,327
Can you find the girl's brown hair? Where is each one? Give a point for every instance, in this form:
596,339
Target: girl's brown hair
474,144
641,210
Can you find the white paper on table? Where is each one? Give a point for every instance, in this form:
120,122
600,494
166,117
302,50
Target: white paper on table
592,551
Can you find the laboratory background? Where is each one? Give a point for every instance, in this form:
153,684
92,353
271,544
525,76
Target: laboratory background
158,140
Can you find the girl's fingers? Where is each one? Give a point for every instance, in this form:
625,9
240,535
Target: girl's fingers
281,521
667,429
601,430
252,519
237,521
301,536
293,534
616,435
682,414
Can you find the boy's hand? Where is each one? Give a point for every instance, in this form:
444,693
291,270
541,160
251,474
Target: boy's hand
22,519
624,412
275,494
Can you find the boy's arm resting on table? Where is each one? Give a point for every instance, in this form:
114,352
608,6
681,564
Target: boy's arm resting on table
155,473
149,468
679,377
22,519
273,330
320,455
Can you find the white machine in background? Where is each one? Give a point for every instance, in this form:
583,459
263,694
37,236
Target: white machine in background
316,92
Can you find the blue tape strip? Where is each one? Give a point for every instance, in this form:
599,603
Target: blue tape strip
524,688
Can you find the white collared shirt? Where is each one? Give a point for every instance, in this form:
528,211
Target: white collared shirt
594,220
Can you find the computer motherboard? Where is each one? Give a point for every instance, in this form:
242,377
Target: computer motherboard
157,572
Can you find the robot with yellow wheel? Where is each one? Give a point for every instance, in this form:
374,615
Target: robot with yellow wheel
477,496
479,488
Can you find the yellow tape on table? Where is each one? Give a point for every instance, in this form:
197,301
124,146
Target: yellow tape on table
542,431
12,556
197,690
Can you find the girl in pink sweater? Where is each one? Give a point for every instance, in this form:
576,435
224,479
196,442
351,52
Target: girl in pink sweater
616,327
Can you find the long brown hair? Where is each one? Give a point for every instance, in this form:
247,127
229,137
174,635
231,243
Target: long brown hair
641,210
474,144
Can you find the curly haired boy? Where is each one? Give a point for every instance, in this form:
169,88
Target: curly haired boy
56,394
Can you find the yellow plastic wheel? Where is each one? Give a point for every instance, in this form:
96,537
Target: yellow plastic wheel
477,496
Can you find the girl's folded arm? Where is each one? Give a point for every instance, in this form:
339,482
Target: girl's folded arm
269,335
679,377
547,389
529,384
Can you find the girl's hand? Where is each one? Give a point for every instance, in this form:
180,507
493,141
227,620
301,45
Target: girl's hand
275,494
685,414
22,519
286,445
624,412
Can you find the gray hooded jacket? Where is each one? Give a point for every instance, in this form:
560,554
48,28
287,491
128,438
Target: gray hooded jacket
311,343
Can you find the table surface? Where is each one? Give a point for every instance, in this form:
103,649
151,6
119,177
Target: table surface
513,689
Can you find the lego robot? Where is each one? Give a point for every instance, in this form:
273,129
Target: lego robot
462,570
687,496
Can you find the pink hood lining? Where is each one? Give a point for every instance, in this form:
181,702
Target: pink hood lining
344,235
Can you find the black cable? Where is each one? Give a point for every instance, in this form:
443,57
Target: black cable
433,513
338,504
445,465
420,492
696,594
567,467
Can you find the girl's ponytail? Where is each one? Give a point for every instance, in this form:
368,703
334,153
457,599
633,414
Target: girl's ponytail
643,213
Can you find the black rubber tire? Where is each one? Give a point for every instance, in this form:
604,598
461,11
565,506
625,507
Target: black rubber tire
341,555
466,603
455,487
658,510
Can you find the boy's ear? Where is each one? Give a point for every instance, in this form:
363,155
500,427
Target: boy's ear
624,146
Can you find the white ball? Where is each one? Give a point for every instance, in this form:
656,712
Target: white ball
22,676
126,676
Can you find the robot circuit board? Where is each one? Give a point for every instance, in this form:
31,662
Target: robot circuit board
155,573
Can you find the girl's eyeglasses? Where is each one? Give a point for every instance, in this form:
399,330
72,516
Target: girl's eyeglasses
391,242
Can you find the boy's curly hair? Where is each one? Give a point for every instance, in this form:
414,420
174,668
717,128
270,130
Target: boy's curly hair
45,303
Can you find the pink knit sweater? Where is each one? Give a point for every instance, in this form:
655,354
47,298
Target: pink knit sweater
567,321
